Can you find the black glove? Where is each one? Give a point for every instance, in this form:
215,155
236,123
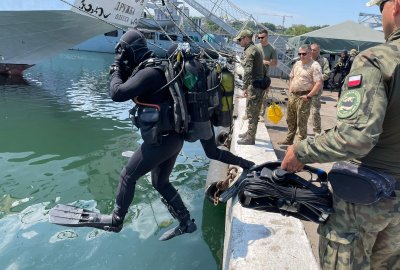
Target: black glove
119,60
113,68
246,164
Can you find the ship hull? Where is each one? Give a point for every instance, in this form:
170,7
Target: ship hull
29,36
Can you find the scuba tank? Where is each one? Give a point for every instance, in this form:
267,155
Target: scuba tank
213,90
223,115
195,88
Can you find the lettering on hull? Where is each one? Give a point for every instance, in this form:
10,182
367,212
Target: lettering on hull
89,8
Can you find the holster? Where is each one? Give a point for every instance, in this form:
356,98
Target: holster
263,83
359,184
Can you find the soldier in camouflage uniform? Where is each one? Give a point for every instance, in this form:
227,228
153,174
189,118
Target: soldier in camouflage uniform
270,60
305,82
315,101
360,236
253,70
342,67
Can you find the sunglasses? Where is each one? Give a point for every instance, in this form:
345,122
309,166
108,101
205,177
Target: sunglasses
382,5
262,37
302,54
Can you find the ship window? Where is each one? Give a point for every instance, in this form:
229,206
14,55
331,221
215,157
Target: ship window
165,37
149,35
190,38
112,34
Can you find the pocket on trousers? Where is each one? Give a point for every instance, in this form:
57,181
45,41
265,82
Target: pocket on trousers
336,249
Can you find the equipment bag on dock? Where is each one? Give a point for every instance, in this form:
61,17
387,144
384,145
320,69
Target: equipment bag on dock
304,195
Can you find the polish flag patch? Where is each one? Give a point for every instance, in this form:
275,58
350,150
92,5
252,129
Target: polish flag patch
354,81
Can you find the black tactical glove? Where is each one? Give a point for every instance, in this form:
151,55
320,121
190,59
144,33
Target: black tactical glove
119,60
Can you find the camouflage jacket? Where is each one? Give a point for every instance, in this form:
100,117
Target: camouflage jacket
324,63
253,66
368,114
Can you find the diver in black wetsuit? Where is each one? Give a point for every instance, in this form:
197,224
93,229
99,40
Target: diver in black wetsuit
159,158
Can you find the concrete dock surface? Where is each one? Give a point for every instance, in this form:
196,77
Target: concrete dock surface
277,132
261,240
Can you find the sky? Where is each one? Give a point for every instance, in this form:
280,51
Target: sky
307,12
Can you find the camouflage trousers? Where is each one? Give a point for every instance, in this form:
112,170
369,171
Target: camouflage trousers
298,112
361,236
264,102
253,107
315,112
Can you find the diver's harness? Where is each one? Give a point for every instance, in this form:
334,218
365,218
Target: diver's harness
269,188
196,99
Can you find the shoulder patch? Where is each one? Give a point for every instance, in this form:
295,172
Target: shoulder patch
349,103
354,81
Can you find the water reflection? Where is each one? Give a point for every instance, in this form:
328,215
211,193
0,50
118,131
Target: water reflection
12,80
61,142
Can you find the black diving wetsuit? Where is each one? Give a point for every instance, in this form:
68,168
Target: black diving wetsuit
159,160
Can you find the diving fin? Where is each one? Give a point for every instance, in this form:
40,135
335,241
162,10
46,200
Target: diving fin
72,216
234,189
189,227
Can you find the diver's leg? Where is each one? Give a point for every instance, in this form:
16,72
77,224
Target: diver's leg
170,196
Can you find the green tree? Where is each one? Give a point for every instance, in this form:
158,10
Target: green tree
300,29
270,26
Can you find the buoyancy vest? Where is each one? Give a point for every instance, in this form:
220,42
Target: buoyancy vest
199,94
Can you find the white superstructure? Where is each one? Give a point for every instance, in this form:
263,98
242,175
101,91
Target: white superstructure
31,30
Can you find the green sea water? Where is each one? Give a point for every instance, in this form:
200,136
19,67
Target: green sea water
61,139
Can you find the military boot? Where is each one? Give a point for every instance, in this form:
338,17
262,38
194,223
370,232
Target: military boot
179,211
243,135
285,142
248,140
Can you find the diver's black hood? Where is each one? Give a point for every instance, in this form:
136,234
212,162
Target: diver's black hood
134,48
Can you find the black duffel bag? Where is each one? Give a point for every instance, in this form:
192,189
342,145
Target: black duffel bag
359,184
269,188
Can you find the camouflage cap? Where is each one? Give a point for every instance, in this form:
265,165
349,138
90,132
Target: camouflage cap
373,3
243,33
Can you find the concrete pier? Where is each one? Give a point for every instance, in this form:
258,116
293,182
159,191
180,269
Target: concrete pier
259,240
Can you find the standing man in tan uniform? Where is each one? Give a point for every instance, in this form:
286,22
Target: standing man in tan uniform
363,236
315,101
269,60
305,82
253,69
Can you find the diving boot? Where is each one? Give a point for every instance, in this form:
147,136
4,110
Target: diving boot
110,223
178,211
248,140
187,227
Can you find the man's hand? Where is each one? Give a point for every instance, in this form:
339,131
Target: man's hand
245,93
290,162
305,98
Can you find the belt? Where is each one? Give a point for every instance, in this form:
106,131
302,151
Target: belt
300,93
